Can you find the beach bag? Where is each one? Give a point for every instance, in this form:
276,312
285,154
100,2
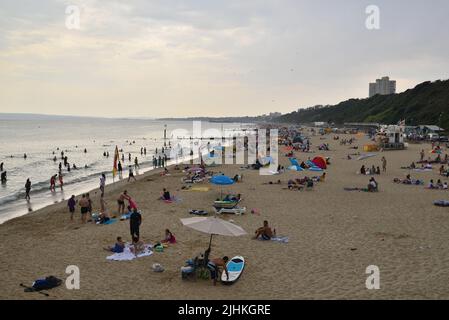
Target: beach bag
47,283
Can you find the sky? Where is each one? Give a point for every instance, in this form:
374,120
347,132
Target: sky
163,58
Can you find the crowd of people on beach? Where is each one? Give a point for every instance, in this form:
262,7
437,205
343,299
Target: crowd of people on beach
128,209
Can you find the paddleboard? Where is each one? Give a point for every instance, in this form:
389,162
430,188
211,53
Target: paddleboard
235,268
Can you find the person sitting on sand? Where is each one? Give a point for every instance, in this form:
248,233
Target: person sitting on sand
169,237
442,170
323,177
126,216
445,186
271,182
291,184
165,195
309,183
378,170
363,170
408,179
373,170
232,198
214,268
431,185
138,246
265,232
372,185
439,184
118,247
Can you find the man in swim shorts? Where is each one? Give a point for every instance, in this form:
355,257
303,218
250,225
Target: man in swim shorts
264,232
214,268
121,202
84,204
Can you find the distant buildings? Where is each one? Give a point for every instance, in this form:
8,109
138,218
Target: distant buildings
382,86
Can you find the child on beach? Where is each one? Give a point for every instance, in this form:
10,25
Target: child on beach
138,246
118,247
169,237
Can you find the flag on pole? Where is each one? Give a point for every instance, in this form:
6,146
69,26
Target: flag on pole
116,157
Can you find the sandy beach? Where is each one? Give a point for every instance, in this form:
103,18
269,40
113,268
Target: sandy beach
334,235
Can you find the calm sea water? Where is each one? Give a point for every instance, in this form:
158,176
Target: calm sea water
43,138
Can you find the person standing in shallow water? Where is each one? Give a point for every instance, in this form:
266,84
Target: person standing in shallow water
53,183
61,181
27,189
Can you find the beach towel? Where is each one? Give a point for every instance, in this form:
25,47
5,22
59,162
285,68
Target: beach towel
173,199
441,203
199,189
198,212
110,221
422,170
366,156
127,255
279,239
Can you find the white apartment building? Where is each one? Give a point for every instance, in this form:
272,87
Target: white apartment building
382,86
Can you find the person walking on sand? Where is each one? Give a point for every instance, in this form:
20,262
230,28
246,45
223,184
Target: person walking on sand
102,183
136,163
422,155
27,189
119,168
71,204
131,174
1,166
89,201
384,164
84,204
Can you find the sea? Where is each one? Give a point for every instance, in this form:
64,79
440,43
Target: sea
85,142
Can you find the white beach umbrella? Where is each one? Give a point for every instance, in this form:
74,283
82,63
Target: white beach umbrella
213,225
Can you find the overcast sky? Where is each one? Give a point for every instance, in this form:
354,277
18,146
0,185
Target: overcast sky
212,58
